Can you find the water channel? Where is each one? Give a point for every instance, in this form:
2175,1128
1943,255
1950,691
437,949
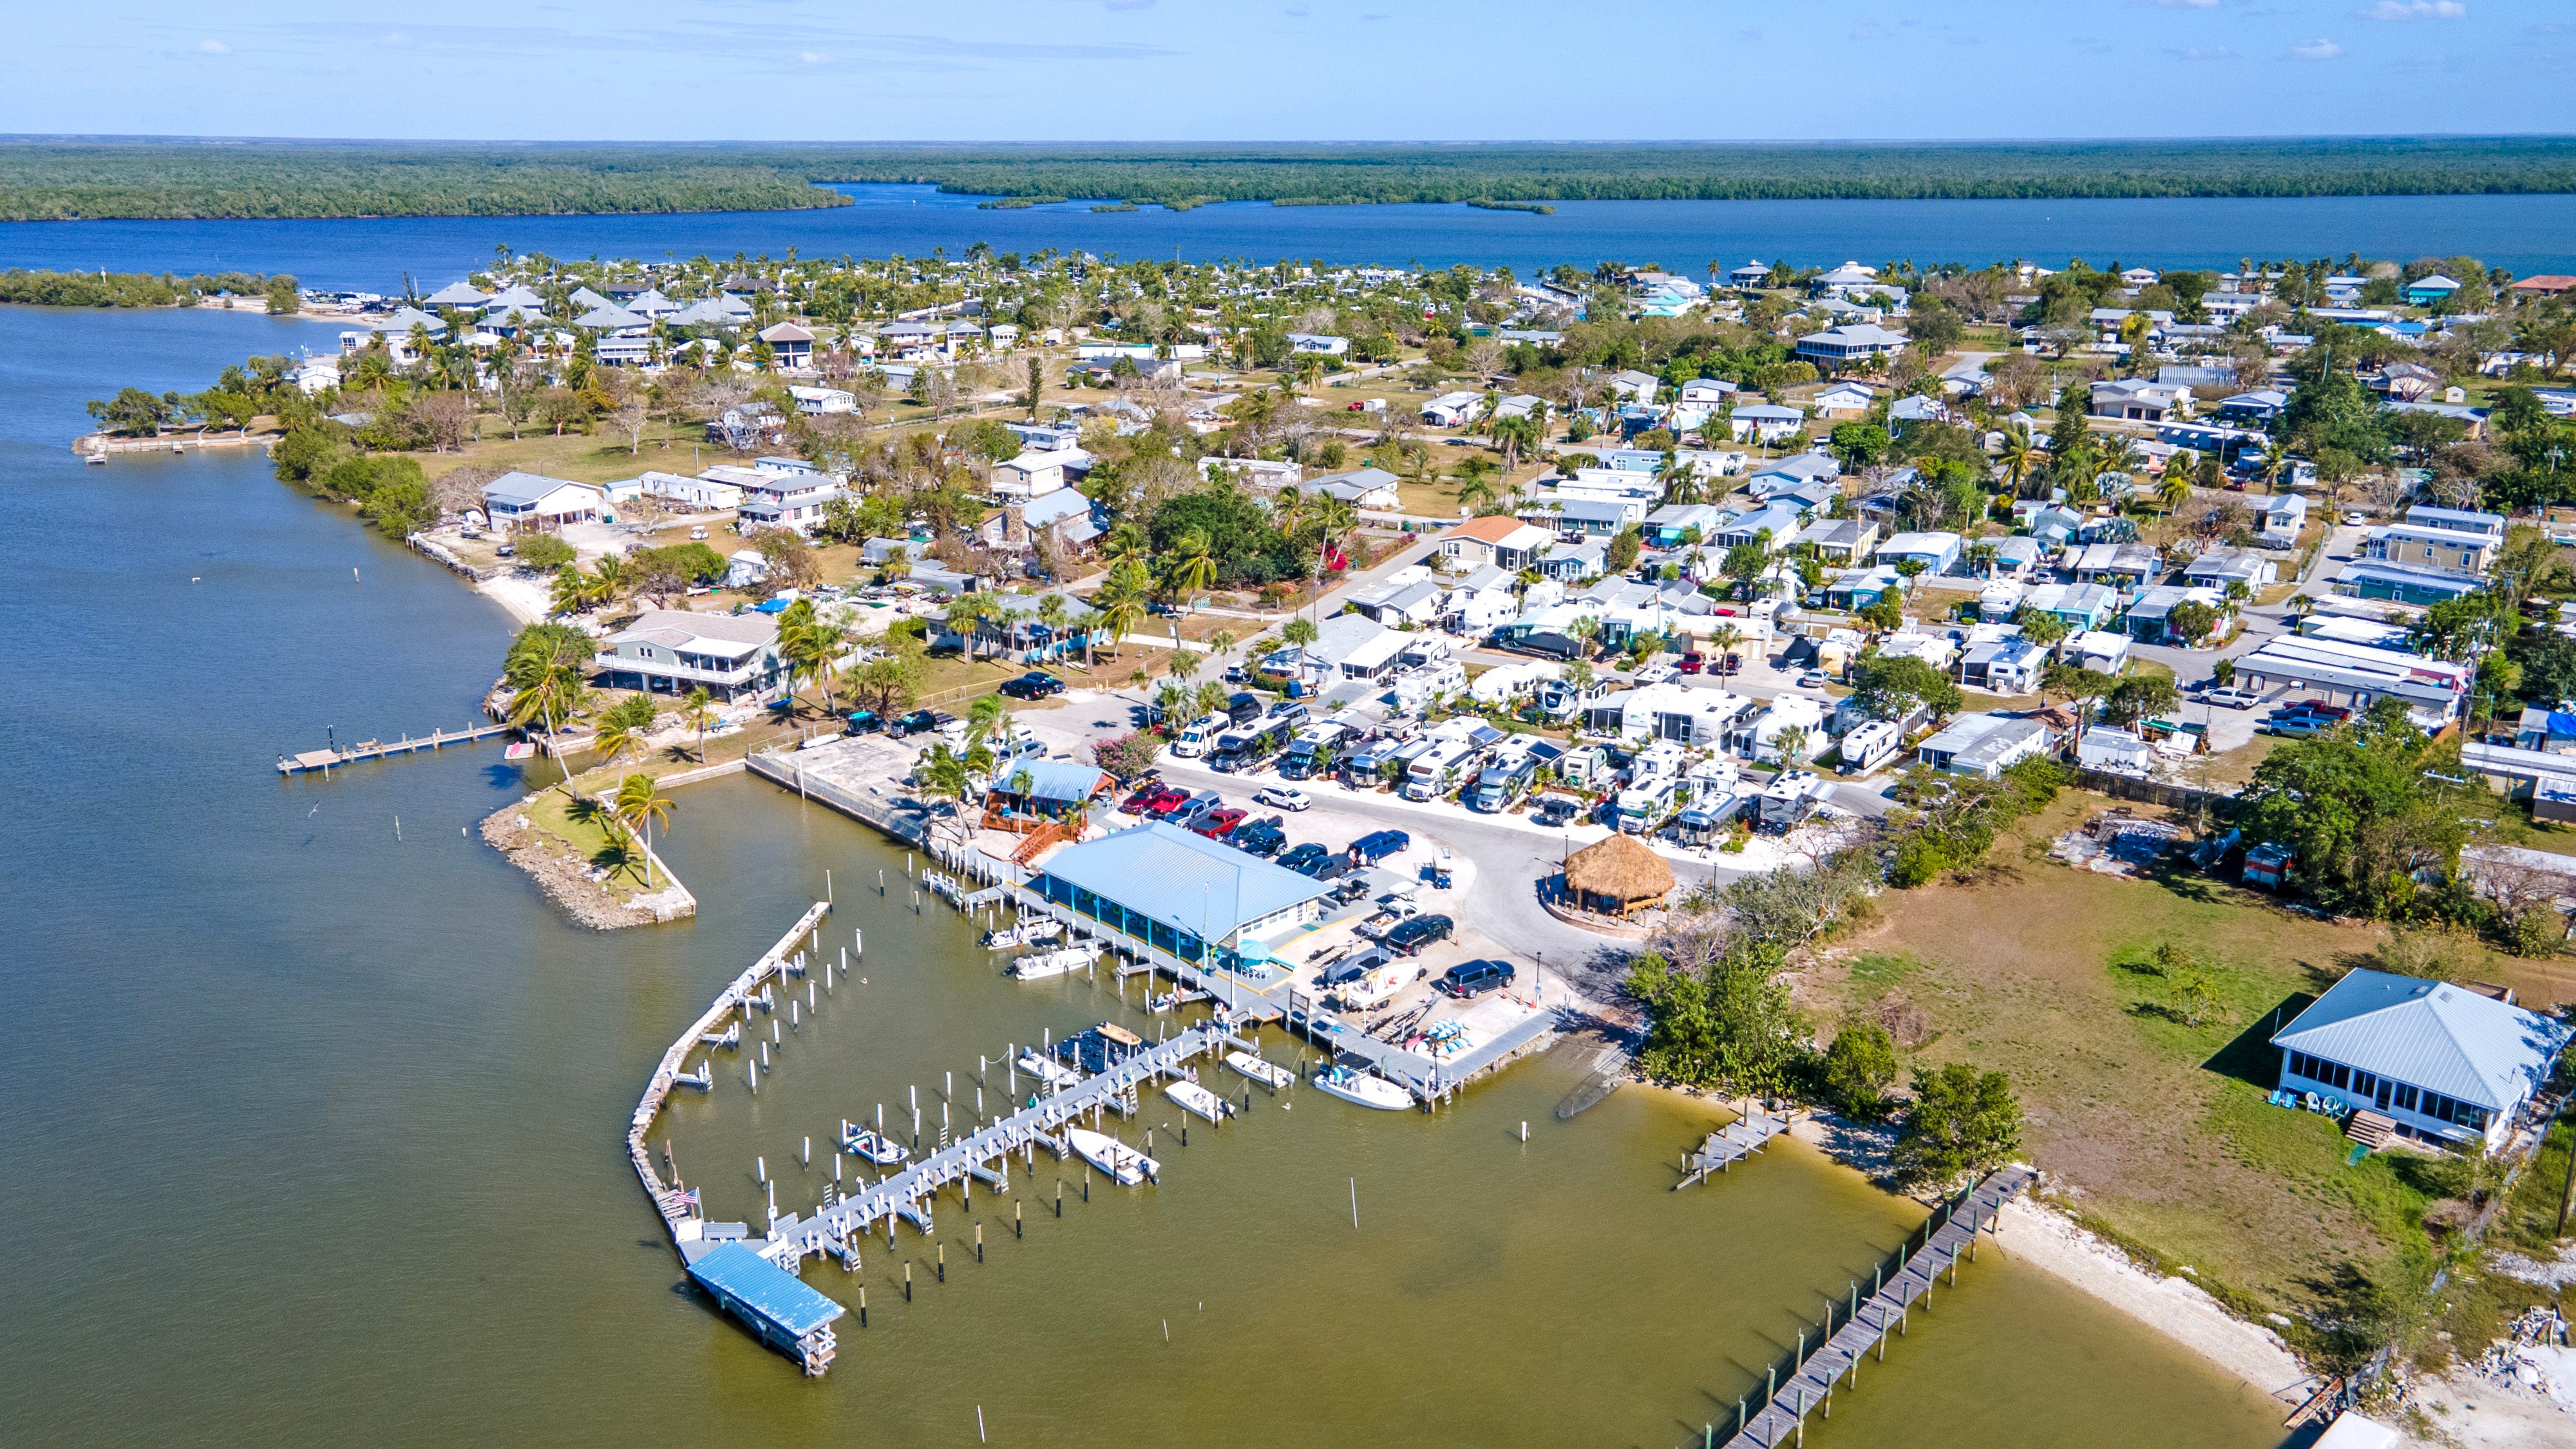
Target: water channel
315,1105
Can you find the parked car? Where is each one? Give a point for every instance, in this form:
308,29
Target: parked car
1186,814
1731,664
1409,937
2319,708
1557,810
1215,823
917,721
2300,726
1377,845
1036,684
1470,979
2356,517
1243,708
1282,797
1692,662
1168,804
1305,859
1137,803
1812,680
865,722
2230,697
1655,674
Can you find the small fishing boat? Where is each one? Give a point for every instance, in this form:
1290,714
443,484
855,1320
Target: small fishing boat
1362,1088
1039,965
1268,1074
1053,1075
1024,933
872,1145
1191,1097
1124,1164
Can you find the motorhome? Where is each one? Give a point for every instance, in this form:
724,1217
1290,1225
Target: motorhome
1198,737
1584,766
1638,809
1438,770
1791,797
1509,775
1564,698
1311,752
1871,745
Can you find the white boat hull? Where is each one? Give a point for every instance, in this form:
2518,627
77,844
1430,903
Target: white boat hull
1124,1164
1364,1091
1053,1075
1026,933
1268,1074
1191,1097
1044,964
864,1142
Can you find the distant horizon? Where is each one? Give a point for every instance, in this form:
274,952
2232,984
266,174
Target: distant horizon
1176,72
1222,143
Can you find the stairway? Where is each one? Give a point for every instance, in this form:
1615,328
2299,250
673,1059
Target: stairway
2369,1128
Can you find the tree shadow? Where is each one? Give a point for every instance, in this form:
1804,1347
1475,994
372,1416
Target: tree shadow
2249,1056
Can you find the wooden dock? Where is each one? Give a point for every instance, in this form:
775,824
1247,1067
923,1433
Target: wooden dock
324,760
986,1155
1827,1355
1731,1144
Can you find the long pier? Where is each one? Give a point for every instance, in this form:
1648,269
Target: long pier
1835,1355
381,749
907,1193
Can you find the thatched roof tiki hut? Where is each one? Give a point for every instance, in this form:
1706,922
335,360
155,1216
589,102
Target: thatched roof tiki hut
1617,876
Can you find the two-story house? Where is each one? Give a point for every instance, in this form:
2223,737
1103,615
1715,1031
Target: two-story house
672,651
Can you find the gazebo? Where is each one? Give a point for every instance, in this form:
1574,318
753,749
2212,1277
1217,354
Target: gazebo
1616,876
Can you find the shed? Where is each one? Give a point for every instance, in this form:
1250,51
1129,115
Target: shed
1617,875
789,1316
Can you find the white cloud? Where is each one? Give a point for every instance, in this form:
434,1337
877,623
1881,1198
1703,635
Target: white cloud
395,40
813,57
2414,10
213,47
2205,52
2315,50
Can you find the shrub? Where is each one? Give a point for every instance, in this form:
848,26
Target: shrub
1858,1068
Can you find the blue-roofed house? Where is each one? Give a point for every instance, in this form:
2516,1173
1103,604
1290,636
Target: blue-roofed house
788,1316
1159,889
2446,1064
1045,789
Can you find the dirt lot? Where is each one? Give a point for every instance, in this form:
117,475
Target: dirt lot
2160,1125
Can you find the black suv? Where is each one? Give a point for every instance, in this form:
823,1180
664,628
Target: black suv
1036,684
1243,708
1260,837
1470,979
1306,859
1408,937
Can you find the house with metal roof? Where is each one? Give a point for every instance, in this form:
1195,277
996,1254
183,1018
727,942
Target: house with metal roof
455,294
1842,346
2404,583
788,1316
2462,520
672,651
1361,488
1984,745
1161,887
534,502
2445,1064
2356,675
1055,789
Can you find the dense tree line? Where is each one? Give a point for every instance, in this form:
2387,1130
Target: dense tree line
68,180
140,289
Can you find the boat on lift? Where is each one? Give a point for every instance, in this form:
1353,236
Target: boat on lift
1027,932
875,1146
1191,1097
1268,1074
1053,1075
1125,1165
1039,965
1362,1088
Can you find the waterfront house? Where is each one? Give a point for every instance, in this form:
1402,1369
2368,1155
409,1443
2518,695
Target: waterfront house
535,503
2430,291
2440,1063
1033,790
672,651
1014,630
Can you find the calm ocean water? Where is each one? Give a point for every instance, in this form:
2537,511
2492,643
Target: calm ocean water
313,1127
2526,234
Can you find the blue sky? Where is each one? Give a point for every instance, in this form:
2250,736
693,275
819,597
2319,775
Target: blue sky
1185,70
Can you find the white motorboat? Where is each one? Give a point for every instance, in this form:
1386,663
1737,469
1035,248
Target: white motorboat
1124,1164
1038,965
1268,1074
1053,1075
1362,1088
1024,933
872,1145
1191,1097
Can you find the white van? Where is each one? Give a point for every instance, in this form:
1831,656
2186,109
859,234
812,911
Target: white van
1199,737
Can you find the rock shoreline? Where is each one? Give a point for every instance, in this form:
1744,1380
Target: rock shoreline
566,881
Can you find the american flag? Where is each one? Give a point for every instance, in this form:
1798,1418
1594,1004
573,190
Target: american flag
689,1197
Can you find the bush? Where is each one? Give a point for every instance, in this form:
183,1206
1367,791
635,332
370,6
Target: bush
1961,1122
1858,1069
544,551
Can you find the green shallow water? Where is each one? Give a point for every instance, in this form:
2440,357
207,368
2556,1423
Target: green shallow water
313,1128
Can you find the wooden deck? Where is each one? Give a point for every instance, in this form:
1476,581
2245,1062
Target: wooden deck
1827,1355
1731,1144
380,749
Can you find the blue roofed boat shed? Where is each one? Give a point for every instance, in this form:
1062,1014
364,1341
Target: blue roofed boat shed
788,1316
1175,891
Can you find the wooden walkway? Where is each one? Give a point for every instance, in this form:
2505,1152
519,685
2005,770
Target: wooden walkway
1729,1145
986,1155
1779,1415
379,749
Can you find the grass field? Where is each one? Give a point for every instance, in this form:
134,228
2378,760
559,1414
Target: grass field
2159,1127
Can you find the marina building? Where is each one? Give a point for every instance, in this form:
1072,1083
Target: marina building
1171,891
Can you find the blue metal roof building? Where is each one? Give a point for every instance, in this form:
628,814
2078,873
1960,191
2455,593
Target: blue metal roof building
2445,1063
786,1314
1175,890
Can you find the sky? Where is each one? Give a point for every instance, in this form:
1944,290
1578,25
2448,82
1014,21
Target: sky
1258,70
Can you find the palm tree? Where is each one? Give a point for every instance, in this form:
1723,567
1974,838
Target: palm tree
1054,612
2275,459
1192,567
1725,637
1792,743
962,616
945,775
556,692
1476,485
1121,608
812,649
642,806
697,710
1212,696
2018,455
983,717
619,735
1185,664
1585,630
571,591
2175,489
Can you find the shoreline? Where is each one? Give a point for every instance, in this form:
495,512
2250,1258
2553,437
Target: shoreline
560,877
